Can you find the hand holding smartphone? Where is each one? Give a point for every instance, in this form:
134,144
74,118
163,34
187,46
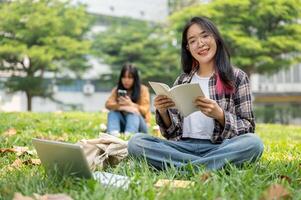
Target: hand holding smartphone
123,99
121,93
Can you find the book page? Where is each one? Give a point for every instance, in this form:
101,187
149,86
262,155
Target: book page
184,96
109,179
160,88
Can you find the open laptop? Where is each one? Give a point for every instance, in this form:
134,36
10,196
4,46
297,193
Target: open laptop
69,159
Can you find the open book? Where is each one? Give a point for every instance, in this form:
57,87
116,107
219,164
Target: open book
183,95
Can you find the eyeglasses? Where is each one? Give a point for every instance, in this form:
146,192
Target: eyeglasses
194,42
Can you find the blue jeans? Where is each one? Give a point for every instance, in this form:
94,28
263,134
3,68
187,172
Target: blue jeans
126,122
161,153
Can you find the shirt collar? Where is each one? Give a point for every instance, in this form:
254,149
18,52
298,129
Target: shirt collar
188,78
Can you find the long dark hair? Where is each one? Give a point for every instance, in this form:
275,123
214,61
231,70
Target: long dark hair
136,86
225,73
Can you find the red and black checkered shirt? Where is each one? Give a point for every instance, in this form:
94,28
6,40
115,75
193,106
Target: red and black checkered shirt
239,117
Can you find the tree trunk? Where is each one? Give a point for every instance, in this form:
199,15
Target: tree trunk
248,72
29,99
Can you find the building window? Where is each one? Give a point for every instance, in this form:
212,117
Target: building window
262,79
280,77
71,86
296,73
287,76
112,8
142,13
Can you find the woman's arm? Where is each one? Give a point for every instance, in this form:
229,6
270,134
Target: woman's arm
238,120
242,121
162,103
111,103
170,120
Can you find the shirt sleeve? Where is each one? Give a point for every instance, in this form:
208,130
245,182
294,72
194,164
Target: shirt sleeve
176,127
242,121
111,103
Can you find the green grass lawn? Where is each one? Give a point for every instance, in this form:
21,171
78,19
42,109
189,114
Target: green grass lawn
280,164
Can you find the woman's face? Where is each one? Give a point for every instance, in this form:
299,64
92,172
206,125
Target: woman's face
201,44
127,80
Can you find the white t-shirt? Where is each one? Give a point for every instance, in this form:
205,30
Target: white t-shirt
197,125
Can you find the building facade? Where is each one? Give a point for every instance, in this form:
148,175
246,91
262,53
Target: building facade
148,10
277,97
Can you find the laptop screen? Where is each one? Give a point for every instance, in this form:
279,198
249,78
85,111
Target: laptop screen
62,158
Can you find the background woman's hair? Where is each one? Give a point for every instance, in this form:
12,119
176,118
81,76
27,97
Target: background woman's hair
136,85
225,74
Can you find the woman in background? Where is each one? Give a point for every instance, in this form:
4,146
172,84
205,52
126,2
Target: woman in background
129,104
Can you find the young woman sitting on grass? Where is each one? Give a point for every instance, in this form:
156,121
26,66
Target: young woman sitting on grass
222,131
129,104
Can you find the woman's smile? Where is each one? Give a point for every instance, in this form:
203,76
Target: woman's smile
203,52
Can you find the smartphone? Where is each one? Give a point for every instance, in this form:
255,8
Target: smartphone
121,93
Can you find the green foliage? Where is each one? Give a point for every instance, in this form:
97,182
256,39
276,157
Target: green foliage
141,43
282,114
177,5
281,158
41,36
262,35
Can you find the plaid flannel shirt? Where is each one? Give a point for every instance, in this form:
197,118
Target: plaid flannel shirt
239,117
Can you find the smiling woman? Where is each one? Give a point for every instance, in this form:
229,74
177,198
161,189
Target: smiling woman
202,46
222,131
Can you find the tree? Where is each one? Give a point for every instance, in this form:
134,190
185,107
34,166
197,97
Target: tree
262,35
177,5
41,36
144,44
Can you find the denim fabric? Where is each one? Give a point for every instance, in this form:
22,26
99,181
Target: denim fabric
125,122
160,153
